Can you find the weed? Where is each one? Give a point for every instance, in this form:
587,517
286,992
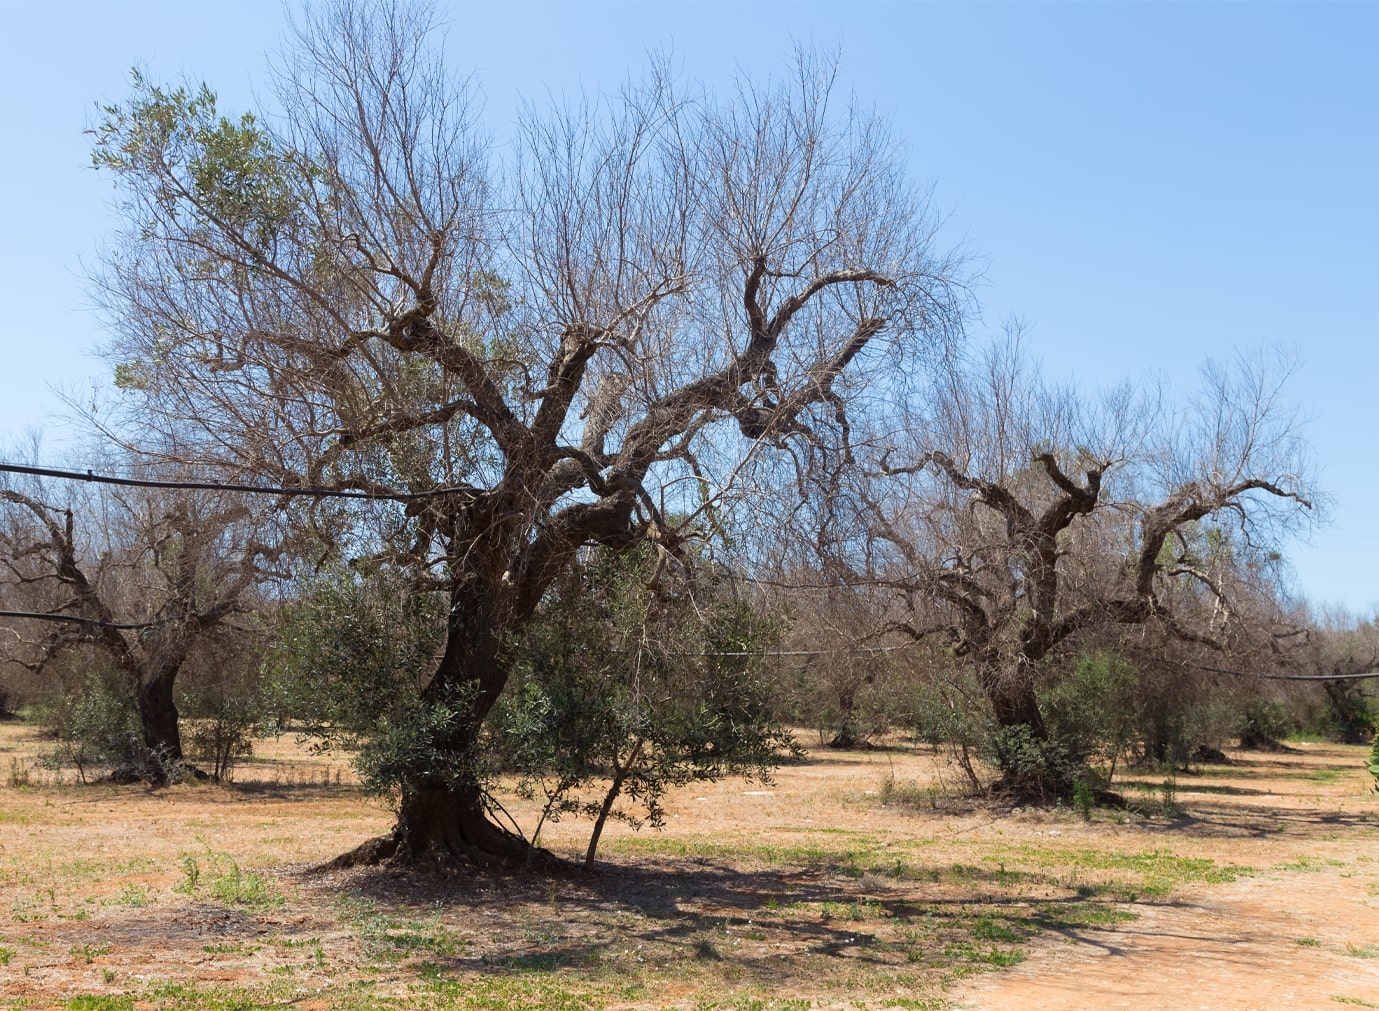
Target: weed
506,993
394,937
1309,942
236,887
988,929
1362,950
704,949
1083,799
296,942
527,962
95,1002
227,882
26,911
133,895
194,997
191,872
1079,917
89,953
231,948
910,796
19,774
1309,865
992,956
1168,794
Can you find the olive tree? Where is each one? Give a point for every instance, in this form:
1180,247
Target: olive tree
136,582
657,293
1022,519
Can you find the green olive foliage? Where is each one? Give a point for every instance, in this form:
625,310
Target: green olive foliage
635,679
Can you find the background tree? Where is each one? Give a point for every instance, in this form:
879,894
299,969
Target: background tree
1023,517
146,578
660,291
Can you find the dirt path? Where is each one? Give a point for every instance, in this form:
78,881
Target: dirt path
1301,935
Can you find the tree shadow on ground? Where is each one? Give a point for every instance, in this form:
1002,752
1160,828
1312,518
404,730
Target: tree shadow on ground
763,925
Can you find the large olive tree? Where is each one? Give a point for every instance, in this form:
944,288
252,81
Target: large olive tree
653,296
1022,520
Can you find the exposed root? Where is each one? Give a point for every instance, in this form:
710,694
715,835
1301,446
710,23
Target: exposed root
391,851
367,854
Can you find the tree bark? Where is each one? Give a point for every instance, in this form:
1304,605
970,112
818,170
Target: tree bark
158,717
1012,697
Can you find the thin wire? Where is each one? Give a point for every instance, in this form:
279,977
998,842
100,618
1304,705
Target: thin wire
1290,677
248,489
134,625
812,652
76,620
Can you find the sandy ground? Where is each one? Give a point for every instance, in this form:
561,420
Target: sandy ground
1302,932
1232,948
93,896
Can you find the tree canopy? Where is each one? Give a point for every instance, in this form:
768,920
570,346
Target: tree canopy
656,294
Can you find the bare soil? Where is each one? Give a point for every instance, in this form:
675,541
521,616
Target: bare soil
857,879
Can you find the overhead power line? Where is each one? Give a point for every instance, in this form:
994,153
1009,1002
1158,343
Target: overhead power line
1290,677
78,620
135,625
248,489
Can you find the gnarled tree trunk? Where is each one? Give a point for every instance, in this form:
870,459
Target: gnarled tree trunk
158,717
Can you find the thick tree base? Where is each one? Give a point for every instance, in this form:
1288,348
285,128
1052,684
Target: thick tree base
1204,754
1044,794
447,832
849,742
1262,742
1032,791
389,851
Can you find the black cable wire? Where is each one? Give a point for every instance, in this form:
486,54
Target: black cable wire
248,489
77,620
1289,677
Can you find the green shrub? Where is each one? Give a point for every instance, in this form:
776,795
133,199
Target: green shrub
1349,715
95,723
1090,710
1034,767
347,667
631,681
945,708
220,735
1264,723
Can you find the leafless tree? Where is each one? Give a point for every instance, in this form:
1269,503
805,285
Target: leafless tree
139,579
590,341
1022,517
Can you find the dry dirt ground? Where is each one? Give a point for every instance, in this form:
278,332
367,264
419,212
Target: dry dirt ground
854,880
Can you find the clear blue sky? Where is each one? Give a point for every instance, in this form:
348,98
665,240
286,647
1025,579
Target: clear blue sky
1146,184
